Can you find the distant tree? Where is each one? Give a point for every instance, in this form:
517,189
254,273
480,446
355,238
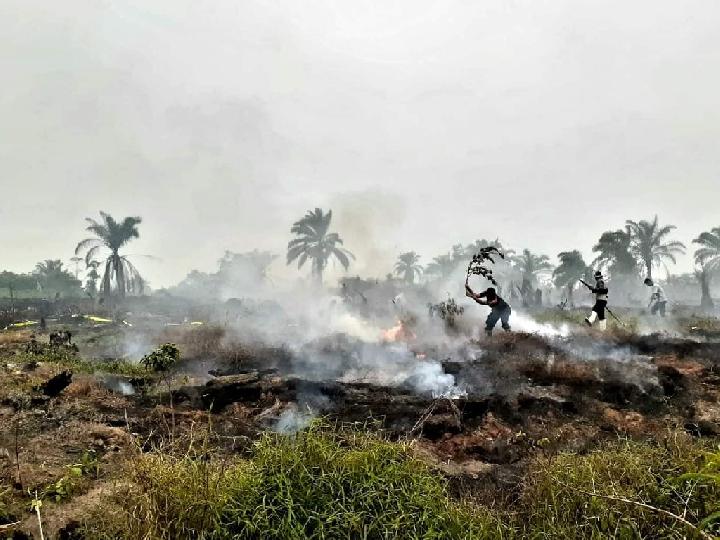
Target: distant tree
48,268
441,266
119,271
92,277
314,242
707,259
474,248
458,253
613,249
407,267
12,283
648,243
249,268
531,266
51,276
572,267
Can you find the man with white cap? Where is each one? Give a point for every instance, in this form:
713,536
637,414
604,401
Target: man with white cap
601,295
658,300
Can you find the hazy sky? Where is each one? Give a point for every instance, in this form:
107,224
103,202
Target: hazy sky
421,123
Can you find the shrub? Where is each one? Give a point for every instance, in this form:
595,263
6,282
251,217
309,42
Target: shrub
162,359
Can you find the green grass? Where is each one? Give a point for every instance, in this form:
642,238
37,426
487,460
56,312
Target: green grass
557,500
319,484
69,359
338,483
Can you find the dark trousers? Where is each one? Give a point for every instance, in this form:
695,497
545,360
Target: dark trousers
599,308
498,315
658,307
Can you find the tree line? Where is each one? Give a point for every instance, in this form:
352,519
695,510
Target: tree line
630,252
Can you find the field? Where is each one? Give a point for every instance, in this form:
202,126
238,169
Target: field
577,435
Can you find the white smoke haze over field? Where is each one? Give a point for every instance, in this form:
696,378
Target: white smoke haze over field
421,123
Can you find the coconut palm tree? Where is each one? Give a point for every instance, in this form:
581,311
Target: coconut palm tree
531,266
572,267
648,246
119,275
407,267
441,266
707,259
52,276
613,249
314,242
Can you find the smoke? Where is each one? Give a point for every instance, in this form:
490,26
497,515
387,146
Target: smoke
345,359
292,420
524,323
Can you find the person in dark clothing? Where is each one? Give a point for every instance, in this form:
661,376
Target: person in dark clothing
500,309
601,299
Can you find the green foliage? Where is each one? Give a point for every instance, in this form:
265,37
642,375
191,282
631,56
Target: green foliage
63,488
162,359
558,498
5,514
68,358
707,479
318,484
16,282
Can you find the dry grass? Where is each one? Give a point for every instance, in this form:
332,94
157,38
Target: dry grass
15,337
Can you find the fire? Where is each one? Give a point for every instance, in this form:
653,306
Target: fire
399,332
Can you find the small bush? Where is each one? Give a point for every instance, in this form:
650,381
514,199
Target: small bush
162,359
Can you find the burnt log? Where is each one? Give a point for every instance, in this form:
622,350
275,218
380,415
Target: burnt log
53,386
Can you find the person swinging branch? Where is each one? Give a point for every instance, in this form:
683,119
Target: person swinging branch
601,296
500,309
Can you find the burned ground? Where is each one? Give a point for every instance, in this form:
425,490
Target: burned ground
518,396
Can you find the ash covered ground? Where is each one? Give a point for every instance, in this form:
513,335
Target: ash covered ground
478,408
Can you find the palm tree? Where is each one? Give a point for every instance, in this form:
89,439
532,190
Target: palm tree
707,259
613,249
472,249
51,275
113,235
572,268
314,242
49,268
407,266
92,278
647,243
531,266
441,266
